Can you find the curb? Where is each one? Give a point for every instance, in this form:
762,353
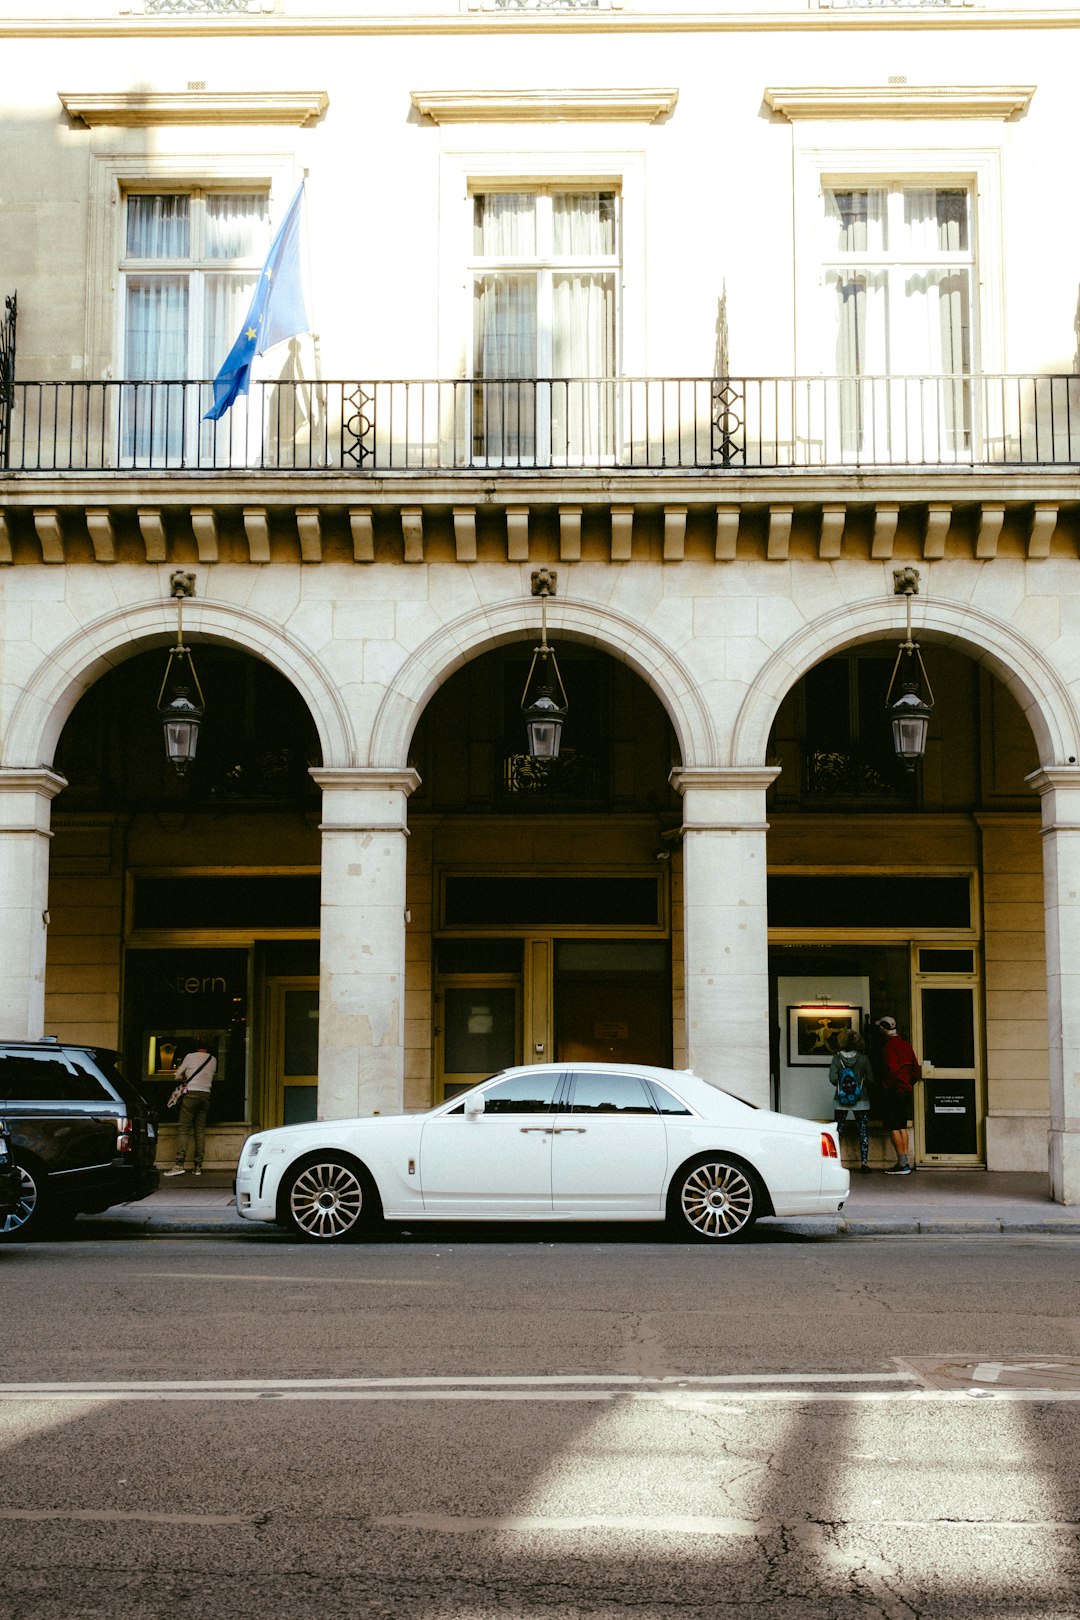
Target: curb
812,1226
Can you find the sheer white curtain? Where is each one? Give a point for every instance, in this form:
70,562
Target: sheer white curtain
504,408
505,327
236,224
504,224
900,308
934,319
857,227
583,327
157,326
541,315
158,226
583,347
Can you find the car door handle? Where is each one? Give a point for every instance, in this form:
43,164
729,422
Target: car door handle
569,1130
545,1130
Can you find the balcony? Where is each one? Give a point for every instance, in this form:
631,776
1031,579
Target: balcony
554,426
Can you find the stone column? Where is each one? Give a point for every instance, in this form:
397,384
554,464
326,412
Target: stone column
362,941
1059,788
25,800
726,926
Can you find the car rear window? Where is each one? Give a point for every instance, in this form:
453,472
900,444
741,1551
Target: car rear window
109,1064
666,1101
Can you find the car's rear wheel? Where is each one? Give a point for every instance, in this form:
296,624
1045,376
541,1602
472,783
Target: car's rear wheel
330,1199
714,1200
33,1207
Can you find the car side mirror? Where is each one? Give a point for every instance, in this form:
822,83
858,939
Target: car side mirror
474,1107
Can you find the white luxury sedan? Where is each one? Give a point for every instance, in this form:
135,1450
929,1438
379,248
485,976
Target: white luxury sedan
555,1141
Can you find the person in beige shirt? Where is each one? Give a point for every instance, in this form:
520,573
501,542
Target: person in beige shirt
195,1072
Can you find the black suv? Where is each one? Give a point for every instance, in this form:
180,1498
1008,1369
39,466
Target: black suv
84,1137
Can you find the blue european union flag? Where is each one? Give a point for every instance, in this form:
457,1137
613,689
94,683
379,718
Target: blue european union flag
277,312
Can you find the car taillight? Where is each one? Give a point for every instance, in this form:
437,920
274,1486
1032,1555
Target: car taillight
124,1128
828,1145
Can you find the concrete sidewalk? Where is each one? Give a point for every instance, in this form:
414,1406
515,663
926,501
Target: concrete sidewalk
935,1202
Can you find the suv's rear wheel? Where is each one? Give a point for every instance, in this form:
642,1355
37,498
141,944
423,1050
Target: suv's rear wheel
33,1205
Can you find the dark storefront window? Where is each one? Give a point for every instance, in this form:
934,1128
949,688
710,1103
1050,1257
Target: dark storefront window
885,900
536,902
173,1000
271,901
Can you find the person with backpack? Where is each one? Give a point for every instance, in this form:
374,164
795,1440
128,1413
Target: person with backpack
901,1071
850,1076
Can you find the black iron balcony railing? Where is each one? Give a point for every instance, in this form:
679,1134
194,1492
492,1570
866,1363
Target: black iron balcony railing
557,425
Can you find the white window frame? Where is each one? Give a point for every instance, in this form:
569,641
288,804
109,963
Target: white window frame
112,176
854,166
978,168
464,173
196,267
546,264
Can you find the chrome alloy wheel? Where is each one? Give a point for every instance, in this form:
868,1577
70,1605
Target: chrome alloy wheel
717,1199
326,1200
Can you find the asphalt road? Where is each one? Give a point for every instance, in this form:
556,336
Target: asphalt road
456,1429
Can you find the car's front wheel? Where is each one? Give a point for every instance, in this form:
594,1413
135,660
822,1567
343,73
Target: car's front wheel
330,1199
714,1200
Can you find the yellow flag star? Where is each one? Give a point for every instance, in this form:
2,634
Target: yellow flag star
250,333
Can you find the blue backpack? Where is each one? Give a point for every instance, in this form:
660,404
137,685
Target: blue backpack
848,1084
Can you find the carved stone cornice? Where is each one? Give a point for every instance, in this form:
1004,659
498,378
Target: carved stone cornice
142,107
544,106
900,101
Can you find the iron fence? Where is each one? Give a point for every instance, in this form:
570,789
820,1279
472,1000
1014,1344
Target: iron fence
549,424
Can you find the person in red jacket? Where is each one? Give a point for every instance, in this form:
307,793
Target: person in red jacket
901,1070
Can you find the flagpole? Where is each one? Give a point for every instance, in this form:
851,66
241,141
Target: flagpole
319,393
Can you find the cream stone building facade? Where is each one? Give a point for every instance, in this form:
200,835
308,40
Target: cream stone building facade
755,327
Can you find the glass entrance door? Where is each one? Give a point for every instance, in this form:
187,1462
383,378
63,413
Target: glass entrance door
948,1103
292,1078
477,1030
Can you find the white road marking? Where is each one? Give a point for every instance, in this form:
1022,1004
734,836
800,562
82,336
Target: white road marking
115,1516
696,1393
230,1277
689,1524
988,1372
470,1381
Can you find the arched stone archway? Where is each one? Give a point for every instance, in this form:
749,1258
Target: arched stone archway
51,692
483,629
1015,873
1041,693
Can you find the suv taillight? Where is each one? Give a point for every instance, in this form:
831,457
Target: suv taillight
828,1145
124,1129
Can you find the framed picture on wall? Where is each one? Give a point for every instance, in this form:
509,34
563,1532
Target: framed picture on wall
815,1033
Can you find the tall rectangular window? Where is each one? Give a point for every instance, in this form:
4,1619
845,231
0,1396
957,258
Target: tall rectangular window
545,272
191,260
899,279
